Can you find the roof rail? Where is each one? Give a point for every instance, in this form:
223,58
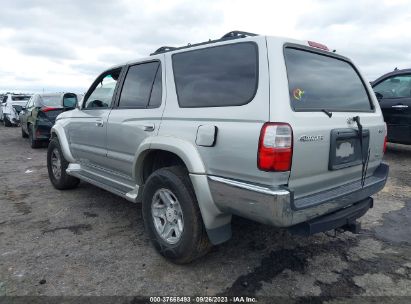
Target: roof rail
238,34
230,35
163,49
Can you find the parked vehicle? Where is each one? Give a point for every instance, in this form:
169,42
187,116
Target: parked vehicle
39,114
393,91
10,108
279,131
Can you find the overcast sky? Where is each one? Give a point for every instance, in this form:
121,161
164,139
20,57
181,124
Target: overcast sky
63,45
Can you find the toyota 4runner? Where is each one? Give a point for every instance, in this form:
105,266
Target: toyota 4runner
279,131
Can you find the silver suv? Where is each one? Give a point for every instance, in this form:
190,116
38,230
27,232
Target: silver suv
279,131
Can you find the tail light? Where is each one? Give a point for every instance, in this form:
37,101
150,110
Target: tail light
275,147
385,140
46,109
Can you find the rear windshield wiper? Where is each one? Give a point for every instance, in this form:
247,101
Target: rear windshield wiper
329,114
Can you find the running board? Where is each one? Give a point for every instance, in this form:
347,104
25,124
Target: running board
119,188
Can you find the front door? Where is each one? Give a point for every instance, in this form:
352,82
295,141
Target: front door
394,94
88,126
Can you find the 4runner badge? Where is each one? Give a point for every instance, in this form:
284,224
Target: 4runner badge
305,138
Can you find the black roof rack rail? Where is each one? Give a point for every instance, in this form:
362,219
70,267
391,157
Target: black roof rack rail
230,35
238,34
163,49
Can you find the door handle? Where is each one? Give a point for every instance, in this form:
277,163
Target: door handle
400,106
99,123
149,127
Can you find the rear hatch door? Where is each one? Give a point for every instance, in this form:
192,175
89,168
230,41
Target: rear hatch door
326,92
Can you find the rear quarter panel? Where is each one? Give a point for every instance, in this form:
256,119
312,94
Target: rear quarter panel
234,154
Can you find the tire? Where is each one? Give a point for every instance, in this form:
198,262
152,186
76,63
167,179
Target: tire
170,192
23,134
34,144
6,121
56,167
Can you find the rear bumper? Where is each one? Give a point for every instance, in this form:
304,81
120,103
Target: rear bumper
278,207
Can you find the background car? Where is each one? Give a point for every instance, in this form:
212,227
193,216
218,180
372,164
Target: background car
393,91
11,105
40,112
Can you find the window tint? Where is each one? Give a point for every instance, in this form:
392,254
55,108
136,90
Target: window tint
319,82
137,85
102,94
395,87
216,76
156,92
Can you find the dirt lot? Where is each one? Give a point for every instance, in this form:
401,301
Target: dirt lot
89,242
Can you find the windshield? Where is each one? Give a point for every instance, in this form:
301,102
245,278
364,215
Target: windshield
20,98
319,82
50,100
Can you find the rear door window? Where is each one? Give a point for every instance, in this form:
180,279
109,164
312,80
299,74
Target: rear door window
319,82
139,84
218,76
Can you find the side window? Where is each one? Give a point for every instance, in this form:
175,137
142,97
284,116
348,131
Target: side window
395,87
216,76
102,91
157,91
4,99
139,85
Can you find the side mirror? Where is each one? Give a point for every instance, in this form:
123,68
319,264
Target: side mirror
70,103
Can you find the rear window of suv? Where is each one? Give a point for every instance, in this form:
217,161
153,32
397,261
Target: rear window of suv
20,98
217,76
319,82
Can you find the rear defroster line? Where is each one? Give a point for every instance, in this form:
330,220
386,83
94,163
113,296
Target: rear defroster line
367,158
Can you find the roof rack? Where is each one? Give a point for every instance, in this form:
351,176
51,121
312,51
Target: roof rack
230,35
238,34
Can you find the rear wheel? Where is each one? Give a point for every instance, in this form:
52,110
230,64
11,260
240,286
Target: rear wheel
172,217
57,165
34,143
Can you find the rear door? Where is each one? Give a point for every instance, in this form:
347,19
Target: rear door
394,95
324,93
136,116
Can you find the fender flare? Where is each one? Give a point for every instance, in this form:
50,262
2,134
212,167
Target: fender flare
58,130
217,223
182,148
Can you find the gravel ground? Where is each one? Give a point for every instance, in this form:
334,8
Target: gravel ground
87,241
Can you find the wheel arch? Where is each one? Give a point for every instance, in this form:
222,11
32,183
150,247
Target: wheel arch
217,223
58,131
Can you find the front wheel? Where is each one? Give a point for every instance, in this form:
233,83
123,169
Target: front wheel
57,165
172,217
